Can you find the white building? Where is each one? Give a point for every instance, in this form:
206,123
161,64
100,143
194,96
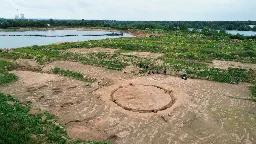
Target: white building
22,16
17,16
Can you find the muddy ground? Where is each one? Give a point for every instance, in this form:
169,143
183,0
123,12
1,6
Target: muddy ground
123,108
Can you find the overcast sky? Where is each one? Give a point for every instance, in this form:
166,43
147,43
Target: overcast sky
169,10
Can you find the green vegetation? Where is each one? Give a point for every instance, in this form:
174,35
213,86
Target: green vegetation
183,51
241,37
18,126
253,90
10,55
5,76
102,59
175,44
75,75
41,54
124,25
202,71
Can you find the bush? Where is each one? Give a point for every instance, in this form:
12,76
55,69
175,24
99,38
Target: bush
17,126
5,76
75,75
253,91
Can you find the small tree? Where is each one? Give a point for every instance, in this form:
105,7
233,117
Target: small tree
254,28
223,31
5,24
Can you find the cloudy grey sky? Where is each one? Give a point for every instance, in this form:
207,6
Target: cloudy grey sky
171,10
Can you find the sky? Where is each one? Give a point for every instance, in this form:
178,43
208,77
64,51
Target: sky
133,10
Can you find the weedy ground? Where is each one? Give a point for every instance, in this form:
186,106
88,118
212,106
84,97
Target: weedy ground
179,52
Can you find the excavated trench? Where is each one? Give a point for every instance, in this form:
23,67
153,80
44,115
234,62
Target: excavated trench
143,98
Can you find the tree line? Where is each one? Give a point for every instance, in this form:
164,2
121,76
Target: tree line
124,25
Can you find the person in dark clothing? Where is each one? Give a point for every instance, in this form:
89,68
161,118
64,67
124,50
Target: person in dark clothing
184,76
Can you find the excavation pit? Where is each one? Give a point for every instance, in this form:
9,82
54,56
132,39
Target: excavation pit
143,98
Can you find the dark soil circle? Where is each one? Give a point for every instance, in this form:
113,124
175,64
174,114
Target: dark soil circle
143,98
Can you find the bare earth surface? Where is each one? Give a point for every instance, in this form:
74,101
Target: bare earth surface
232,64
141,97
91,50
144,54
175,110
112,51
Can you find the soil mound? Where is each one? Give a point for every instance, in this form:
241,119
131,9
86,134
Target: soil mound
143,98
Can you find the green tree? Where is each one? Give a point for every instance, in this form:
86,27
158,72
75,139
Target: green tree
5,24
51,22
254,28
223,31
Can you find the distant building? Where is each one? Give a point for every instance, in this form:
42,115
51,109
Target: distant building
22,16
17,16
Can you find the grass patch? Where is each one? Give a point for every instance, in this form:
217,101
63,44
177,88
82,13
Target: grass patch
75,75
183,51
12,55
113,62
5,76
253,91
42,55
19,127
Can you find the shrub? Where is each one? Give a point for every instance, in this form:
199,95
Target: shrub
5,76
75,75
17,126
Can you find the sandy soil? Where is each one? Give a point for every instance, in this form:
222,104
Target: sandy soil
28,64
145,98
201,112
232,64
131,70
112,51
137,33
88,70
144,54
91,50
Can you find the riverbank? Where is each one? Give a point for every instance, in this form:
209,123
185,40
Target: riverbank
16,39
57,28
133,90
136,33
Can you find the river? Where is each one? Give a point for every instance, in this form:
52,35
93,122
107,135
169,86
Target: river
245,33
234,32
23,41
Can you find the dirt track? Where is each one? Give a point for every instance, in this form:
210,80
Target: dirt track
232,64
203,111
